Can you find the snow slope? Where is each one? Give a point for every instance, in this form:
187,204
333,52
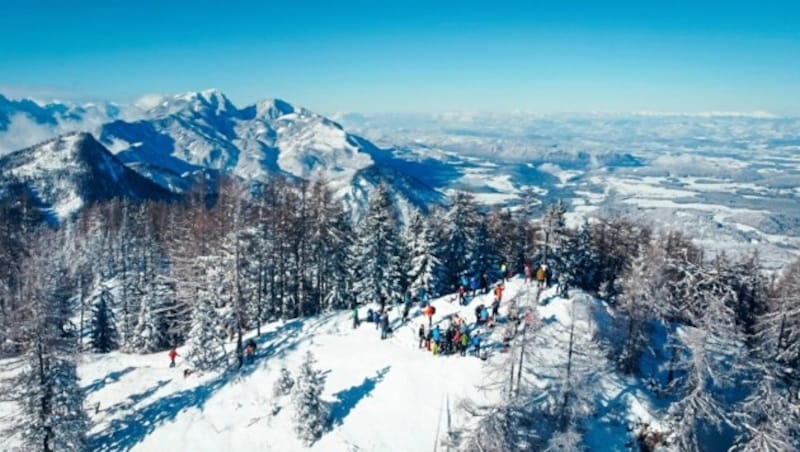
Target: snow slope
383,395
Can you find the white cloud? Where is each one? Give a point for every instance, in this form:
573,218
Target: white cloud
22,132
148,101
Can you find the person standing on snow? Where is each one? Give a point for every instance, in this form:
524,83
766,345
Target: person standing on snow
436,336
172,355
249,351
528,273
548,276
540,276
484,315
484,283
474,284
503,271
464,343
406,311
421,335
385,325
356,321
476,343
421,296
498,292
429,312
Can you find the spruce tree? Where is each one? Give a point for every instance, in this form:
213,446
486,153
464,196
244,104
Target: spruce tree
206,349
103,335
311,412
377,257
423,264
47,390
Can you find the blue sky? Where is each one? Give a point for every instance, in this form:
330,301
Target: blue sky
408,56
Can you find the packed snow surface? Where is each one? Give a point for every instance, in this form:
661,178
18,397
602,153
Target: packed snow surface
383,394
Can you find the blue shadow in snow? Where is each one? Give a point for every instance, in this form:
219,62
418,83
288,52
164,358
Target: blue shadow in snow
350,397
124,433
112,377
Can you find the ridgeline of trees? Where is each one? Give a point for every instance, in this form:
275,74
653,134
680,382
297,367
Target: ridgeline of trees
144,277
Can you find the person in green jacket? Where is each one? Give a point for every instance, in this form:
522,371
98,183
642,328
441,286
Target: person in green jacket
464,343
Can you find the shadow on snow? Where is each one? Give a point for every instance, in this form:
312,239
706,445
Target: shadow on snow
348,398
126,432
112,377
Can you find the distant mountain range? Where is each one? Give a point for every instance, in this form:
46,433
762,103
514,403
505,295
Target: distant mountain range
160,151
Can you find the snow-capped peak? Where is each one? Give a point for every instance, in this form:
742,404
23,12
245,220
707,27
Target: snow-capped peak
273,108
204,102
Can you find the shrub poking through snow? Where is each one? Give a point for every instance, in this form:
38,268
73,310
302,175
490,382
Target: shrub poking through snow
284,383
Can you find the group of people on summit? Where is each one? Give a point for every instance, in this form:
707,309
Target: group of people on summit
455,336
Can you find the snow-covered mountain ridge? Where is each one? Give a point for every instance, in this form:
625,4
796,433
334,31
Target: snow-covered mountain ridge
66,173
180,139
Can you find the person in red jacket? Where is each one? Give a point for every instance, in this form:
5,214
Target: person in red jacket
429,311
172,354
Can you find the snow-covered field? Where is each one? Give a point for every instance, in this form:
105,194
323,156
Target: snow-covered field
729,181
384,395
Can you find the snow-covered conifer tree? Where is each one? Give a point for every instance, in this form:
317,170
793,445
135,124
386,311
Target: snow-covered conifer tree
206,349
423,263
51,400
460,241
151,333
103,333
311,412
377,257
579,264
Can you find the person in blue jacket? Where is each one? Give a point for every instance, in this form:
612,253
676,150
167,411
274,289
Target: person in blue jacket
475,284
421,296
476,343
436,335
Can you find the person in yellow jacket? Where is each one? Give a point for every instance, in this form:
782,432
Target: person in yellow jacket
541,274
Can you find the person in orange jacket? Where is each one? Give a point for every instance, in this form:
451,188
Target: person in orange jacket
498,292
